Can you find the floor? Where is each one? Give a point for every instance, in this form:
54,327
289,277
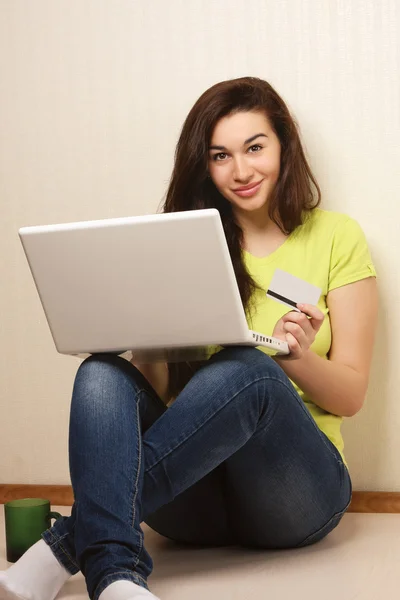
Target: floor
359,560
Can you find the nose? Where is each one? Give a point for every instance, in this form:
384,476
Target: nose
242,171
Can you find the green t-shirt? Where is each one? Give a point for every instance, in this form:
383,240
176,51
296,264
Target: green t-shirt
329,250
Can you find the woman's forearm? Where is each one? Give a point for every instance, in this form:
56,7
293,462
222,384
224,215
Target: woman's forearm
334,387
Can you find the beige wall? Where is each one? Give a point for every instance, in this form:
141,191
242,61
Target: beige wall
92,96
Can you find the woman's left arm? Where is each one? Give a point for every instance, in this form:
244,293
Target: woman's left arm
337,385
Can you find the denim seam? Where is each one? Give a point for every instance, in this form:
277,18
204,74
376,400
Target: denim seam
130,573
136,488
210,415
64,551
56,543
309,416
337,514
206,418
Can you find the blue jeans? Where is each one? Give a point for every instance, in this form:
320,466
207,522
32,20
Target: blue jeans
237,459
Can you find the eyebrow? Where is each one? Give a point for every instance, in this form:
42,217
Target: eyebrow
250,139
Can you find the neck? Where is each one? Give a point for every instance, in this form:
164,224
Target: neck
261,236
255,223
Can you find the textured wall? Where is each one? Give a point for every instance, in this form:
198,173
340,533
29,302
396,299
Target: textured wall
92,97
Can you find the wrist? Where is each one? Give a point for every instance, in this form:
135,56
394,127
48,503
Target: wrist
293,365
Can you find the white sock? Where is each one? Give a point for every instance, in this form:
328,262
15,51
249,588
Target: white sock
37,575
126,590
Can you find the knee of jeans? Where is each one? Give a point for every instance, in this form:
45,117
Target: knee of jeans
245,368
96,364
102,372
248,359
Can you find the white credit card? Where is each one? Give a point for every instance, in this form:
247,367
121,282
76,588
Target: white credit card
290,290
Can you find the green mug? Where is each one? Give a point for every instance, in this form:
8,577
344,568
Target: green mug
25,521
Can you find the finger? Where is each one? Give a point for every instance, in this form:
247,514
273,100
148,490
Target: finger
297,317
300,319
315,314
294,347
299,334
312,311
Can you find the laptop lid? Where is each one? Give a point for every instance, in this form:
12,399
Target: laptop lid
141,283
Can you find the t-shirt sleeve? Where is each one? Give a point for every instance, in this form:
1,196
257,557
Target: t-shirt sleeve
350,257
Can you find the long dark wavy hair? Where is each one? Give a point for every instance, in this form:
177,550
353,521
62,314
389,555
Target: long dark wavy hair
294,195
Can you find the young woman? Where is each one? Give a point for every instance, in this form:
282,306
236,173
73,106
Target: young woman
249,452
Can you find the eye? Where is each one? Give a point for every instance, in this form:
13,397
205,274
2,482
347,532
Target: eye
219,156
255,148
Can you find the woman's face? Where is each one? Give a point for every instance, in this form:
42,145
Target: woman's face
244,160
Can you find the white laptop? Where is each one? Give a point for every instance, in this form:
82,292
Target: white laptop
162,286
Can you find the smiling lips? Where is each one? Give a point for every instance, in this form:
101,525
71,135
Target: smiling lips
248,190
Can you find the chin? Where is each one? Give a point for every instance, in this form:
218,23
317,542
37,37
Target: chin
252,205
